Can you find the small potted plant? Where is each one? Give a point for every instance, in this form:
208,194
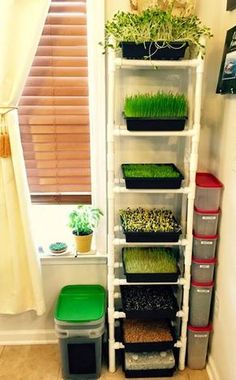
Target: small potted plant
155,33
152,176
149,225
58,248
160,111
83,220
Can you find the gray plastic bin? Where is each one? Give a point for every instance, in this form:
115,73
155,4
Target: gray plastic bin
205,222
197,346
204,247
203,270
81,351
200,303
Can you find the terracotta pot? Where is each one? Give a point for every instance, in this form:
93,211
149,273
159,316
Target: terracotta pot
83,243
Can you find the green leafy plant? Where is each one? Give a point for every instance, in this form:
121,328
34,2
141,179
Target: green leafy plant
148,220
58,247
84,219
159,105
155,25
150,260
150,171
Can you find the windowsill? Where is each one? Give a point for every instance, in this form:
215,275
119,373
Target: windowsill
70,258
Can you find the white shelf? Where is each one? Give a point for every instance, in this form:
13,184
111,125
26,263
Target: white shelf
132,63
120,345
122,281
123,242
121,131
122,315
122,189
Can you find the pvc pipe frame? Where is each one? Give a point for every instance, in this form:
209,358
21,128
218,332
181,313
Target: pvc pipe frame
194,95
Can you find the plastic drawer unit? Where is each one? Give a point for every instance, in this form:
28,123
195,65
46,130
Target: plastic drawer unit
205,222
208,191
79,324
198,338
200,303
203,270
204,247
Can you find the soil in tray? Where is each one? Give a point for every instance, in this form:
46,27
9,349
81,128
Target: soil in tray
148,298
154,50
136,331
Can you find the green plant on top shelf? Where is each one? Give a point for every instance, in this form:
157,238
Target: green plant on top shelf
155,25
150,171
150,260
154,106
148,220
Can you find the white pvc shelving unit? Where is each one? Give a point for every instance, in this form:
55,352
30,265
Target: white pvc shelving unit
116,187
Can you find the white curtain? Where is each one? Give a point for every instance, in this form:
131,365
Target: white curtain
21,24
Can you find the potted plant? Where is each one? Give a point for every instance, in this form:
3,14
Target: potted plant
152,176
160,111
155,33
150,264
58,248
149,225
83,221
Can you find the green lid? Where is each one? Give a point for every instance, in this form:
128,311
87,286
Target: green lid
80,303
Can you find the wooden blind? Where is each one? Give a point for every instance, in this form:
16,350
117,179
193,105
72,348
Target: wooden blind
53,112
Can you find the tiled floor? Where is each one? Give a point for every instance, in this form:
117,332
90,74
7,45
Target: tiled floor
41,362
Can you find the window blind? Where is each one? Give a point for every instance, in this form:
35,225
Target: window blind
53,111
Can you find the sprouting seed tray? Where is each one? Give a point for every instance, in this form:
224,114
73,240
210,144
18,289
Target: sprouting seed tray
148,50
152,237
151,346
154,183
136,124
148,302
149,373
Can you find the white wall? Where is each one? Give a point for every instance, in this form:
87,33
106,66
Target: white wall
218,154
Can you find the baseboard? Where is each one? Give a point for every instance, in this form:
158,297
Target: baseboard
15,337
211,369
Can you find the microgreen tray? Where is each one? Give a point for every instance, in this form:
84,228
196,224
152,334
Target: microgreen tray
153,182
161,124
149,50
150,346
152,237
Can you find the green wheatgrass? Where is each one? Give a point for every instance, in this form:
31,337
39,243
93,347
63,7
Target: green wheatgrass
161,104
149,171
150,260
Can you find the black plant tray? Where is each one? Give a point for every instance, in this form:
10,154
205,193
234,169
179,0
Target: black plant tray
139,124
154,183
151,346
148,50
144,307
152,237
149,373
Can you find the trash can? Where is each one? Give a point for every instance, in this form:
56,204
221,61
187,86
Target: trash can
200,303
204,247
208,191
79,324
203,269
205,222
197,345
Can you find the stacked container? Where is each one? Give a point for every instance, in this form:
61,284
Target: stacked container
205,227
79,324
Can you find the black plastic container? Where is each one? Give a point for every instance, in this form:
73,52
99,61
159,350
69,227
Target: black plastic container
154,183
151,346
152,237
150,50
149,277
148,302
139,124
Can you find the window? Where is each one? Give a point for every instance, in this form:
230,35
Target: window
59,121
54,109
